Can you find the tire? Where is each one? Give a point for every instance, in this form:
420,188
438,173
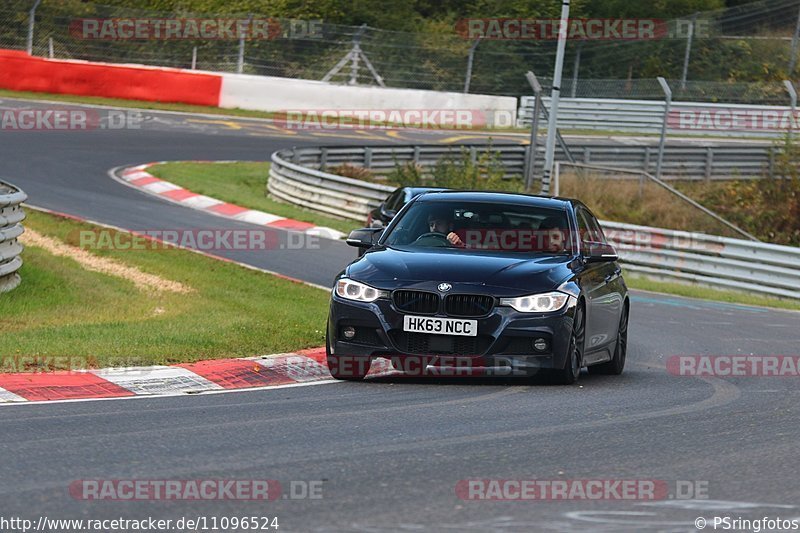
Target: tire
617,363
346,368
574,362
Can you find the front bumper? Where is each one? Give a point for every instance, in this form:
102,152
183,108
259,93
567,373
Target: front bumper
504,341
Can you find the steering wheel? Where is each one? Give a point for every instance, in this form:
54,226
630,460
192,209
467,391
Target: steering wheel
432,239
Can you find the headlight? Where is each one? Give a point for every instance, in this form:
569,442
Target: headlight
353,290
537,303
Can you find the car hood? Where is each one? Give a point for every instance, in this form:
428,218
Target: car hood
391,267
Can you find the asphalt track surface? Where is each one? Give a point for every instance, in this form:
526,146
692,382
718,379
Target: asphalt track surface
389,453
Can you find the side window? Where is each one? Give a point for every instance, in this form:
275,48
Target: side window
583,226
394,202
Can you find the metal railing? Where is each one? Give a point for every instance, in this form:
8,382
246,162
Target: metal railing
718,262
684,118
681,256
11,216
681,161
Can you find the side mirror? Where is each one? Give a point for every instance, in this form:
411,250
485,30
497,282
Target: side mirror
599,252
364,237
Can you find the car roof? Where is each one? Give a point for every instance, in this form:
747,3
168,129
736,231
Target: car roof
496,197
414,191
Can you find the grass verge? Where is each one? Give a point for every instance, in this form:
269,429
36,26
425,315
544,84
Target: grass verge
635,281
62,310
241,184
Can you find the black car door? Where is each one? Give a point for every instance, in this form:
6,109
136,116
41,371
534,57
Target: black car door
604,299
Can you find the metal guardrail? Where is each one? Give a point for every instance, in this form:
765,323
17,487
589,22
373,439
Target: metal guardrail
717,262
11,216
314,189
647,116
687,162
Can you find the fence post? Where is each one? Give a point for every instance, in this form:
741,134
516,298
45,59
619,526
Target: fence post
575,68
530,156
31,24
50,51
552,122
367,157
663,140
793,99
793,53
689,37
470,60
194,58
240,61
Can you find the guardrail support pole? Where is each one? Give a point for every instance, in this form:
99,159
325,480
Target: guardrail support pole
530,155
663,140
367,157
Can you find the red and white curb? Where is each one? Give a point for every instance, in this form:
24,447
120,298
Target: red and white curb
219,375
139,178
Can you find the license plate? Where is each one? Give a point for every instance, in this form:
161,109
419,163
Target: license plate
440,326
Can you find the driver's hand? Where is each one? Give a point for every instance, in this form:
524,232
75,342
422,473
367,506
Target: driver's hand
455,240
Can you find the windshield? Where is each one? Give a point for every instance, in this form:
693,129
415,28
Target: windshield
479,226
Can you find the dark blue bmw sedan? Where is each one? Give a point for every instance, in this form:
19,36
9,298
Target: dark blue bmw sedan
498,283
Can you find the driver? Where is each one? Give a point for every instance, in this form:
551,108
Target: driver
441,222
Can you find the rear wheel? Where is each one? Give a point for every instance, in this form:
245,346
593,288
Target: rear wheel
572,366
346,367
617,363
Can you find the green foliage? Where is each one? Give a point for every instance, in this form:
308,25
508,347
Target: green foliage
769,208
484,172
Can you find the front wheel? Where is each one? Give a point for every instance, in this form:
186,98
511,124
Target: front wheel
572,366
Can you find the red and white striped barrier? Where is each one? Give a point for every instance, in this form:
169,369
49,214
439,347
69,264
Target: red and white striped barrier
187,378
21,72
139,178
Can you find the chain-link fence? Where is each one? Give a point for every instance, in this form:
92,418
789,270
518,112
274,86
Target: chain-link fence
751,43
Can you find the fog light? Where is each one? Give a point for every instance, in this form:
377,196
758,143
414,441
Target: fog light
540,344
349,332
